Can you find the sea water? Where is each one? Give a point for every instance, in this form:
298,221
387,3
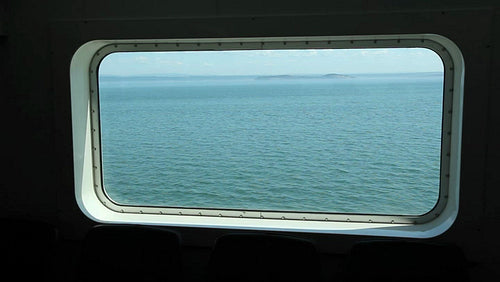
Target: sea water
357,144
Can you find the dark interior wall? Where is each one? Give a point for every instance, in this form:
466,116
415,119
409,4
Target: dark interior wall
28,120
37,41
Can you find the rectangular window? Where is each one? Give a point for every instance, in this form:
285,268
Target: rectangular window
312,131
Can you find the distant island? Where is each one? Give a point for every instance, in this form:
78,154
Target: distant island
287,76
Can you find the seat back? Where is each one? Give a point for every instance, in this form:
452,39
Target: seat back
259,257
130,253
405,261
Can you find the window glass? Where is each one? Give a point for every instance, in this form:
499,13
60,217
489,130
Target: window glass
310,130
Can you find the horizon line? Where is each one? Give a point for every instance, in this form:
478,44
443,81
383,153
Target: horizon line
257,75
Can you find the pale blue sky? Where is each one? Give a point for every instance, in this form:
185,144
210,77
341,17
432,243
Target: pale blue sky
272,62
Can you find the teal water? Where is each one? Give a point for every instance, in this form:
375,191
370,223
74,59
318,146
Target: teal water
366,144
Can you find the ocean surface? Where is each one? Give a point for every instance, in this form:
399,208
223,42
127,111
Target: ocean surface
347,144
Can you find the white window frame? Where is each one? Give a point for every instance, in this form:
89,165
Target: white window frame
94,203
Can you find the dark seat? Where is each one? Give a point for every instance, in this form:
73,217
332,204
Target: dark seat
28,250
259,257
405,261
130,253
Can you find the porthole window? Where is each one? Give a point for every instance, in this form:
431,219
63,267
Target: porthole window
311,134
